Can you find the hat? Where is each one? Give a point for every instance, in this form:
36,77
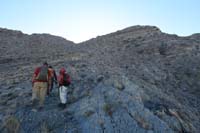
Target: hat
45,64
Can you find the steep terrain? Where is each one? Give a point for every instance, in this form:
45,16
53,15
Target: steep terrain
134,80
20,53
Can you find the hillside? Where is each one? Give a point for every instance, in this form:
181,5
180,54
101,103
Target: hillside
20,53
138,79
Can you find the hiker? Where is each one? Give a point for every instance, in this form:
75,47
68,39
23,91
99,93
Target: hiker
53,79
64,81
41,79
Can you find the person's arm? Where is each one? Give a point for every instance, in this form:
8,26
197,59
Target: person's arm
35,75
33,79
49,79
55,76
68,79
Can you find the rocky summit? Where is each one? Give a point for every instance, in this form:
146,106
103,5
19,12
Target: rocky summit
138,79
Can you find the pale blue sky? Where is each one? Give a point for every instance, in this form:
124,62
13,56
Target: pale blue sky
80,20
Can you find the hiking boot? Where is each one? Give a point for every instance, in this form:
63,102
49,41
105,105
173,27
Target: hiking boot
33,103
63,106
60,105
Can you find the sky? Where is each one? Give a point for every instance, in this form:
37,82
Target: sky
80,20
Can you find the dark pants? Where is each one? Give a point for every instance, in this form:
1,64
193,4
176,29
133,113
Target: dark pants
52,84
50,88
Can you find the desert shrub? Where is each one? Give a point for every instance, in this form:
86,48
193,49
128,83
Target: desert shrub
108,109
142,122
44,128
118,85
88,113
12,124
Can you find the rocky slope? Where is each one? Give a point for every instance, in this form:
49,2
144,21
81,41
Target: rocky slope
20,53
134,80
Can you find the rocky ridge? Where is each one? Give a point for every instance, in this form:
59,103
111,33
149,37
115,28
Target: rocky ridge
134,80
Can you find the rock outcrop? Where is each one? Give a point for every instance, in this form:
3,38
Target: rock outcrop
134,80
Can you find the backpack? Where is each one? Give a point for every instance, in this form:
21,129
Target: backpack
66,80
42,75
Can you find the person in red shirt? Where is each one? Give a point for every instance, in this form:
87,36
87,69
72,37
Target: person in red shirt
64,81
53,79
40,81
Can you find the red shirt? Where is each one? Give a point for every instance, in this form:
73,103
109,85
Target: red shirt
61,76
36,72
